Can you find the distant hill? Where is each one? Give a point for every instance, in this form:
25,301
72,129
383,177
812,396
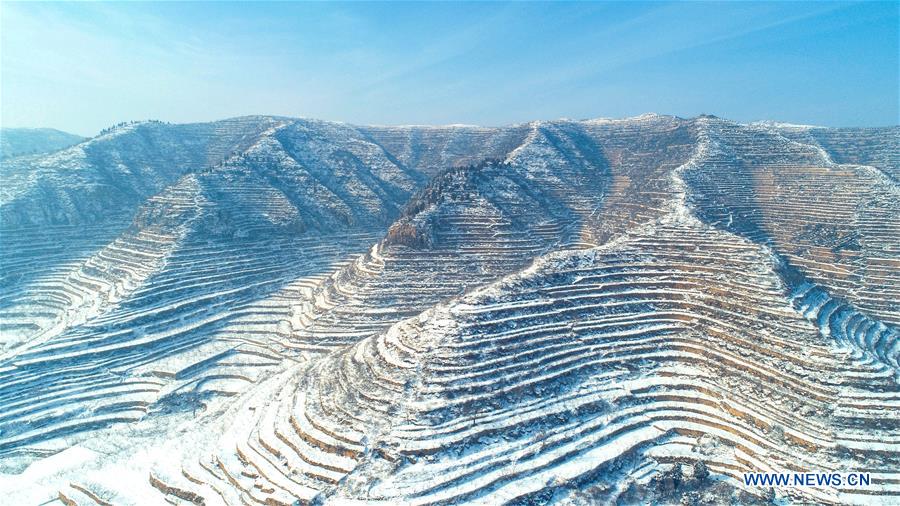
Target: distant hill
30,141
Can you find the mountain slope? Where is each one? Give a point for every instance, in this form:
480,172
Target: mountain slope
32,141
261,310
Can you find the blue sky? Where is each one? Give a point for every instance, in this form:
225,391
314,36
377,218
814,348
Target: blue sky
82,67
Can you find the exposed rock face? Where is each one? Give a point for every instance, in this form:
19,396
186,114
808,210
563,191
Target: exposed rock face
269,310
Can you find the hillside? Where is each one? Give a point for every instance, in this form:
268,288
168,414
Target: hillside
265,310
33,141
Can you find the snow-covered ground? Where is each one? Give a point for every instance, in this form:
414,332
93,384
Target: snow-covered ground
268,310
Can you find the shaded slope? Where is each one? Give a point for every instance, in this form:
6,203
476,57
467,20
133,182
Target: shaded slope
32,141
106,178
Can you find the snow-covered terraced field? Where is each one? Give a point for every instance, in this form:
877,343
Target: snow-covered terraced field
832,223
277,311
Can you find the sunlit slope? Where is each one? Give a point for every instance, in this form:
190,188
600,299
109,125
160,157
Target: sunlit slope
593,375
835,225
590,375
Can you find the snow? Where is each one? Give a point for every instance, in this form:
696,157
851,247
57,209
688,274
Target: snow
238,329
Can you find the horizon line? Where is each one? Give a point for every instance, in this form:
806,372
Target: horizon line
767,121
